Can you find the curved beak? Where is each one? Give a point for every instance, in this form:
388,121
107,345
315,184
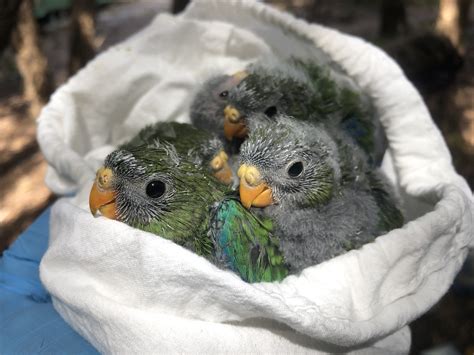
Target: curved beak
102,196
234,125
221,169
253,190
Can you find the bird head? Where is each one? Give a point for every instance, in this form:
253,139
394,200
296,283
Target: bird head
262,95
152,184
211,100
287,162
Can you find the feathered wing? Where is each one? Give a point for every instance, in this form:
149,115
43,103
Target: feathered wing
353,109
245,244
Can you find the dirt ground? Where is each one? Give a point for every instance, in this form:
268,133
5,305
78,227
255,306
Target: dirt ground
23,194
22,191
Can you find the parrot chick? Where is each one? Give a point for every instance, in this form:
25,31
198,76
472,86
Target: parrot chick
204,147
315,184
210,101
306,92
156,189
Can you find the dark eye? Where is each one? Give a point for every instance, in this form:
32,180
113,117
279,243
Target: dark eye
270,111
224,94
155,188
295,169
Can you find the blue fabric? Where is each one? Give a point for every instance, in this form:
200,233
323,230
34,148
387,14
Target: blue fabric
28,322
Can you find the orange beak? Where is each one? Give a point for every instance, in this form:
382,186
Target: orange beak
253,190
102,196
234,125
221,169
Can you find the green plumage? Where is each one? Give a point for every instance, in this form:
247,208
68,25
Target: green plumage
306,91
186,139
389,215
192,209
246,244
183,217
352,111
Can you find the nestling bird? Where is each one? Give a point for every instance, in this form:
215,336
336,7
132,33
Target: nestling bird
159,190
210,101
317,187
305,91
203,146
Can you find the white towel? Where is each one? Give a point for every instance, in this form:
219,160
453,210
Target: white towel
129,291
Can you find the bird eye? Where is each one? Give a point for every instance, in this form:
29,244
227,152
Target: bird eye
224,94
270,111
155,188
295,169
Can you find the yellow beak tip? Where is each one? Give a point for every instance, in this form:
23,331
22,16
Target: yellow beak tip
93,210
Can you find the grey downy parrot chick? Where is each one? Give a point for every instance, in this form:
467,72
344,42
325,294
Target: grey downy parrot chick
210,101
317,187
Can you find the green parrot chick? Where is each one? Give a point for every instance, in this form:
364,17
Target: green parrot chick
152,188
158,190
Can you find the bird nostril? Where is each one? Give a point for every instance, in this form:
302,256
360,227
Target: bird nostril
217,163
249,174
252,177
232,114
104,178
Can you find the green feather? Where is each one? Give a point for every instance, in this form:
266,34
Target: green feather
196,211
390,216
355,117
185,138
185,219
246,244
318,98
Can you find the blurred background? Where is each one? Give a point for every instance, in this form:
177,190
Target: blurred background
44,42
